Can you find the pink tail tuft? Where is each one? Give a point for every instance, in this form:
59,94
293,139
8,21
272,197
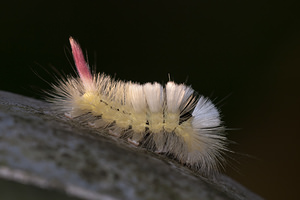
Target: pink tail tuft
81,65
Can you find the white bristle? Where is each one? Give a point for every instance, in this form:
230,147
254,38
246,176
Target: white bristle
177,96
155,96
135,97
205,114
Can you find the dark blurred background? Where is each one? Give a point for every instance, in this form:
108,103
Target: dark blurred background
245,55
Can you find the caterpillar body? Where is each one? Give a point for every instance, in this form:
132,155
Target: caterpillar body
170,119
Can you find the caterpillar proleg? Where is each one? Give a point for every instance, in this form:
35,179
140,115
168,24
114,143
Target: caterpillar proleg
171,119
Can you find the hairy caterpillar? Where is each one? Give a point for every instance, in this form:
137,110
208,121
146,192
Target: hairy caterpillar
170,119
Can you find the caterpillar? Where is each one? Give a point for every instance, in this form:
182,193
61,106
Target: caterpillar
172,119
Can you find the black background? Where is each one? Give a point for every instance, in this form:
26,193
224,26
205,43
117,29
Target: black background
243,54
